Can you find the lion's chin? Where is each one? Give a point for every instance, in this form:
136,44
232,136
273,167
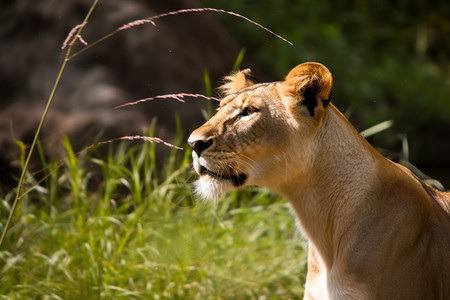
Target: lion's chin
212,185
210,188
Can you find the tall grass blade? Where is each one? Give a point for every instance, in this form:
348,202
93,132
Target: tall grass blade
377,128
239,59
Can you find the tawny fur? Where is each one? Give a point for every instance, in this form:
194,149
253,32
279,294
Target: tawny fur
375,231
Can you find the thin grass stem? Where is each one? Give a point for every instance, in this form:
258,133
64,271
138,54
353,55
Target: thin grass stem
41,122
179,97
151,20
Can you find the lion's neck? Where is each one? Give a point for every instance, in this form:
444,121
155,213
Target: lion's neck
333,190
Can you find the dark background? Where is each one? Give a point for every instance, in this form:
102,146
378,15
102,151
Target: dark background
390,61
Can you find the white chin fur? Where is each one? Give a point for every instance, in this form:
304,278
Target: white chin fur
209,188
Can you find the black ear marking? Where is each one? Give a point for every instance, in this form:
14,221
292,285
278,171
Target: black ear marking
309,98
327,101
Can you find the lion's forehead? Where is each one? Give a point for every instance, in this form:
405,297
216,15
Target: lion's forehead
261,91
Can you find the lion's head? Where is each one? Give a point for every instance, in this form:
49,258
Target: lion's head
258,130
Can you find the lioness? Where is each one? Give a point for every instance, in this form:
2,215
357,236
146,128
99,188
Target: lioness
375,231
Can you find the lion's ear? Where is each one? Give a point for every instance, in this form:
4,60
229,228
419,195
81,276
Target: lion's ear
310,83
237,81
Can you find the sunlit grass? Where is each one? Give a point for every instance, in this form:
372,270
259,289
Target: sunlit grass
121,228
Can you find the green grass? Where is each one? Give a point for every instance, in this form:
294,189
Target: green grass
121,228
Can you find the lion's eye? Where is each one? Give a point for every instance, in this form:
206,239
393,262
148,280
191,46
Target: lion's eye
248,110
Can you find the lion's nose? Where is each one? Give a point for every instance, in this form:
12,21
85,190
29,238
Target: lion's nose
200,145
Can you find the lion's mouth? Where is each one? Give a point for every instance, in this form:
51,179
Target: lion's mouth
237,180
